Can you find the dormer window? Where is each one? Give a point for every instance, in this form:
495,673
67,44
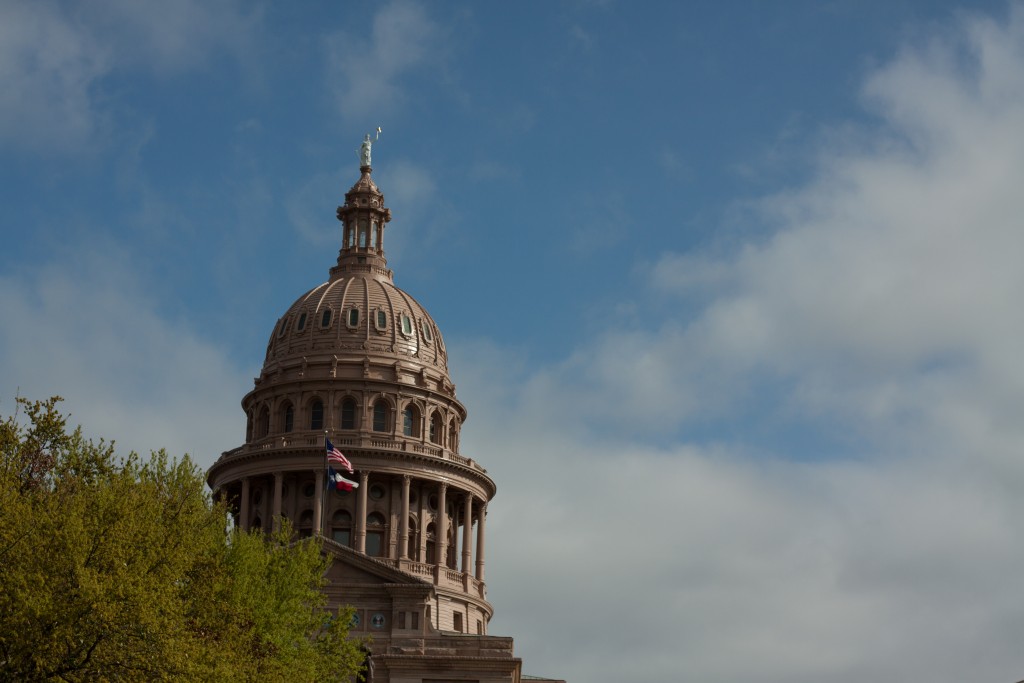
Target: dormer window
283,328
427,334
301,325
406,325
381,320
353,318
325,319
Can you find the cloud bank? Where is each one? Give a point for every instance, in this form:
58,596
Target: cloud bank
54,62
872,330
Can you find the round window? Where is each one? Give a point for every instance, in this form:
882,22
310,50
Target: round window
432,501
309,489
376,492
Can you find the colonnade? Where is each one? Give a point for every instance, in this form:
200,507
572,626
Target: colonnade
466,502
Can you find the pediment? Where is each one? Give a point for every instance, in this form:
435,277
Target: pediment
349,566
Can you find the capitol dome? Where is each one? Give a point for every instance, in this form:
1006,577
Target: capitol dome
359,364
362,312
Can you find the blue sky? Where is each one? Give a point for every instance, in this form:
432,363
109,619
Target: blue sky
730,289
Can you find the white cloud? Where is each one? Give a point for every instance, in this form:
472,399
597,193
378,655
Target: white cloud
54,59
86,328
48,68
365,70
882,312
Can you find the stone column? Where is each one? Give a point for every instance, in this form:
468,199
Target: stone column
441,539
318,506
421,547
403,523
482,515
467,534
243,508
276,513
364,483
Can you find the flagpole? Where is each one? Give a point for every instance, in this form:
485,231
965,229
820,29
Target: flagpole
323,491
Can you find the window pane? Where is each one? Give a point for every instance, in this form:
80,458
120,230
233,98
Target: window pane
317,417
380,418
407,421
353,317
382,319
374,543
342,536
325,321
348,414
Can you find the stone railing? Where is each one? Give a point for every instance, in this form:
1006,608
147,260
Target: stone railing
438,575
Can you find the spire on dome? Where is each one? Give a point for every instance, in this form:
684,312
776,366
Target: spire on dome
363,216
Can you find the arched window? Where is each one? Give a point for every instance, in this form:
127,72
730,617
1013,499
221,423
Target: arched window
411,420
316,415
436,428
341,527
348,414
264,423
375,534
380,416
431,557
289,417
414,541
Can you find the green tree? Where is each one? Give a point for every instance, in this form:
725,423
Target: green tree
122,570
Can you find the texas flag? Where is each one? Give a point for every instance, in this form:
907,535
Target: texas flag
341,481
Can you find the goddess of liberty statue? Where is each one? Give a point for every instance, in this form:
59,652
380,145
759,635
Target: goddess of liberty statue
366,148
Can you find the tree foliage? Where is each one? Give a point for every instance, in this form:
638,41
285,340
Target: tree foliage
122,570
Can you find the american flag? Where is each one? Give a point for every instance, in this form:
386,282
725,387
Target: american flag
335,456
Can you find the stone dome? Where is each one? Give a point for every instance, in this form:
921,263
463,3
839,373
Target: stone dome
362,313
358,367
